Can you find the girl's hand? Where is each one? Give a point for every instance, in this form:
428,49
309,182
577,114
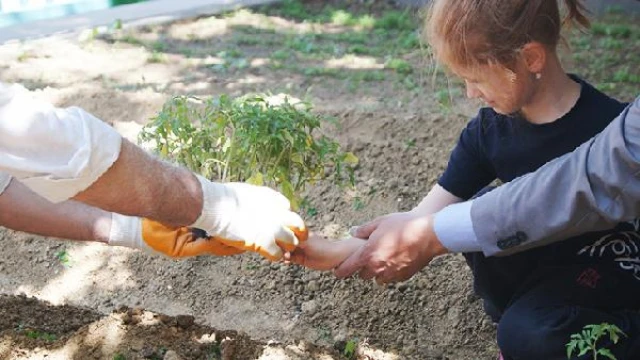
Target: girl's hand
319,253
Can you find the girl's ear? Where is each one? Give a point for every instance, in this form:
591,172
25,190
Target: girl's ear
535,56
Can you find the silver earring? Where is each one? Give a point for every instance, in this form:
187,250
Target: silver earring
538,76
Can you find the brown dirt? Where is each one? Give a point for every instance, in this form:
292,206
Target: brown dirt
401,133
34,329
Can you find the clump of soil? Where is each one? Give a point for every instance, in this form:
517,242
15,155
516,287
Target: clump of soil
31,328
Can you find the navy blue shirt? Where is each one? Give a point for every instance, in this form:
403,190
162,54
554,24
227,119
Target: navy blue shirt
495,146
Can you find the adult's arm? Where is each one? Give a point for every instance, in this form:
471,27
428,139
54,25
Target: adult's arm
68,153
141,185
23,210
593,188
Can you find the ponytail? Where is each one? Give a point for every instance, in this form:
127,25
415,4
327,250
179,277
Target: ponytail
576,13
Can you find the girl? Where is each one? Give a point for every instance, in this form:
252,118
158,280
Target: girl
505,52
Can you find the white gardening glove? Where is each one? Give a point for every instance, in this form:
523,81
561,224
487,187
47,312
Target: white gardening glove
250,217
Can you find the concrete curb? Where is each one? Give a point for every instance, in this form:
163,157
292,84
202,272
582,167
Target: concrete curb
151,12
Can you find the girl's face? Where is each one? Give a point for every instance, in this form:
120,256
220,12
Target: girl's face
506,91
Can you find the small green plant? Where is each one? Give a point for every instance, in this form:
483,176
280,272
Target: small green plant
611,43
341,17
130,39
231,59
24,56
358,49
214,352
350,349
63,257
395,20
156,58
444,98
398,65
316,71
351,37
366,21
254,139
624,75
358,203
613,30
586,341
117,24
247,40
36,334
324,332
281,54
293,9
409,40
159,46
306,207
188,52
119,356
369,75
305,43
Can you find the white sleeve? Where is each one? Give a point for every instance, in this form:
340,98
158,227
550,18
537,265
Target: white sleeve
56,152
454,228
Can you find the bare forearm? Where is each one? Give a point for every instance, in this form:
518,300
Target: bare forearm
139,184
23,210
437,199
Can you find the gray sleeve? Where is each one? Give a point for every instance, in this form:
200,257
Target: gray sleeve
5,179
593,188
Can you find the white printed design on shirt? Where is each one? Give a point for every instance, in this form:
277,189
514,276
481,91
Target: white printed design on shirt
622,245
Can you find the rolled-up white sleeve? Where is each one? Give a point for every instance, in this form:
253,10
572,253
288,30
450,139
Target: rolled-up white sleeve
56,152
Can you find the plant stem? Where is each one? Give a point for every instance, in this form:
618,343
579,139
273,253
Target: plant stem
229,155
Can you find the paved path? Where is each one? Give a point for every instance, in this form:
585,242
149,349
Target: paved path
154,11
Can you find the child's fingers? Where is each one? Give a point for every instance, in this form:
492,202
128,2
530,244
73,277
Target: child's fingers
351,265
295,257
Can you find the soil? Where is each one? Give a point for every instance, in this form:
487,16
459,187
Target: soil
65,300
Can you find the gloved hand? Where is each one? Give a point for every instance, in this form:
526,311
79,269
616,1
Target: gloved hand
249,217
175,242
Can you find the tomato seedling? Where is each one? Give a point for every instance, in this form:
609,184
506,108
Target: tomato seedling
254,138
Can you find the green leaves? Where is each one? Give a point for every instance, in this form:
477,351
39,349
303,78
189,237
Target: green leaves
63,257
257,139
350,349
606,353
586,340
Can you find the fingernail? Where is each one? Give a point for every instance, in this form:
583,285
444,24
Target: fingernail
353,231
